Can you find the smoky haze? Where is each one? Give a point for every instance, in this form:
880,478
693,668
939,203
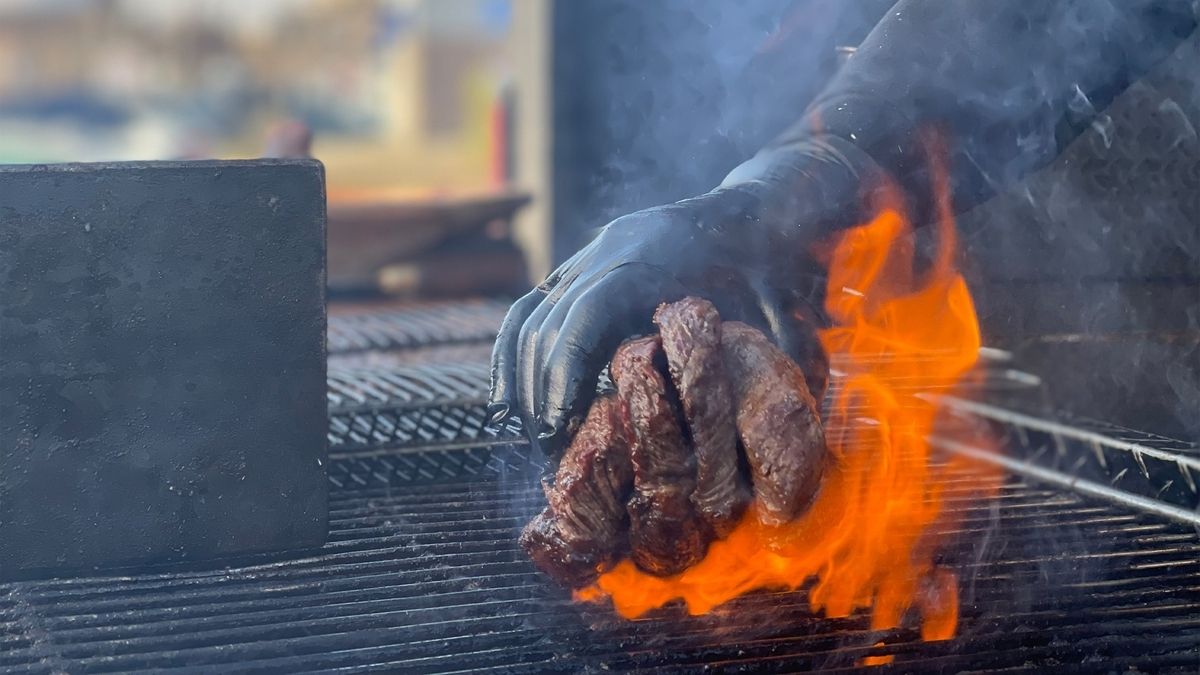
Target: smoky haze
1088,267
658,101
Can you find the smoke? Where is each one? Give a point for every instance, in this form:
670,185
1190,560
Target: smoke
658,101
1089,267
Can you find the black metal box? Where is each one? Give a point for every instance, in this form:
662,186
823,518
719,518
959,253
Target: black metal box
162,362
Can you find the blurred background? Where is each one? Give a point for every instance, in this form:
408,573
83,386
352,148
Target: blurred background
469,145
411,106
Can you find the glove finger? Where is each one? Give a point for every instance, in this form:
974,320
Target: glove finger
806,348
616,307
548,364
565,274
503,394
529,366
551,327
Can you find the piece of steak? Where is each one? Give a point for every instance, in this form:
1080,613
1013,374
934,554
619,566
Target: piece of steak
665,536
778,423
691,339
579,534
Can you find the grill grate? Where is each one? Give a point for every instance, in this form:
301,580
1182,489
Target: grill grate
443,427
422,572
429,579
401,405
354,390
469,352
1134,468
412,407
416,325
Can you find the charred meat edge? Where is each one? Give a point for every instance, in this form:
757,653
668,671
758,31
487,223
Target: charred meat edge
665,536
777,421
691,339
582,529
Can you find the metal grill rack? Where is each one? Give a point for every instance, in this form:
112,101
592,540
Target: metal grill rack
445,384
415,325
467,352
422,572
1141,470
428,578
410,407
442,427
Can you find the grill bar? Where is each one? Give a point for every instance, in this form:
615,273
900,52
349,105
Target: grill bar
422,572
89,618
415,325
408,579
1138,607
1075,483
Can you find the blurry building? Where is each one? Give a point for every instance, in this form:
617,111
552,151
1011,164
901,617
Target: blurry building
398,92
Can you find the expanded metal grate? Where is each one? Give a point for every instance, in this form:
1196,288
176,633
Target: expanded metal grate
442,427
422,572
416,325
468,352
404,405
425,576
417,385
416,406
398,470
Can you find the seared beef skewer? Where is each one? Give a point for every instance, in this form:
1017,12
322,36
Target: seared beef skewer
691,339
665,537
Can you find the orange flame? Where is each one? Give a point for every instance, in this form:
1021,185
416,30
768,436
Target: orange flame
868,539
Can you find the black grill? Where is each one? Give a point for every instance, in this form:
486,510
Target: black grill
422,572
415,325
425,576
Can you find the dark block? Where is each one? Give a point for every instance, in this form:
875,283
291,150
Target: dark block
162,362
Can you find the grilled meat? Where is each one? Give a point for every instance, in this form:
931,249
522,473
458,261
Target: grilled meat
629,482
691,339
778,423
665,537
581,531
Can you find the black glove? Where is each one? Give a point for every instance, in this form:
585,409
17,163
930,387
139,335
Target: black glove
743,246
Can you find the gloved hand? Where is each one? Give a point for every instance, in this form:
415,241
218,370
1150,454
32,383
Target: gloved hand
743,246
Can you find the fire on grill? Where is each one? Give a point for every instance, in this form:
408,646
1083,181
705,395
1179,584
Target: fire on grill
656,499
